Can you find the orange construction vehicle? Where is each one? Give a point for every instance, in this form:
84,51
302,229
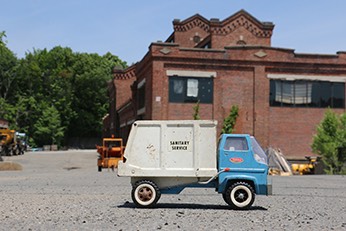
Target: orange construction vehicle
10,143
110,153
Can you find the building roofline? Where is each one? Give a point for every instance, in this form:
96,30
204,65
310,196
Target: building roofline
315,55
201,49
191,18
264,25
124,70
249,47
163,44
170,38
126,73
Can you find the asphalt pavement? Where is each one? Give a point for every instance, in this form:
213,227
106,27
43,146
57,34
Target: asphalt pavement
64,191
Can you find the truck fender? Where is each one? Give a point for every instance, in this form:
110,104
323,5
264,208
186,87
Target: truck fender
228,180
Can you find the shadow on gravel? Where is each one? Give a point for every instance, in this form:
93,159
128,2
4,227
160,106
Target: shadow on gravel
189,206
71,168
10,166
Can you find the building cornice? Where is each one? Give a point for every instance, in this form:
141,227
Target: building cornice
128,73
242,19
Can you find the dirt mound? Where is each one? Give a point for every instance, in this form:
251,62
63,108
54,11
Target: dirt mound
10,166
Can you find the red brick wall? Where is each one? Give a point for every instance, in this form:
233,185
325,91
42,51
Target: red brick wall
261,104
231,39
292,129
185,39
123,91
236,88
159,89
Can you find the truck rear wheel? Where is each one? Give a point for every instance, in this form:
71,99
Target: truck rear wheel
145,193
239,195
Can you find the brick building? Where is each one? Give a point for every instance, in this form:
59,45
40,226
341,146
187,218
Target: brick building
282,95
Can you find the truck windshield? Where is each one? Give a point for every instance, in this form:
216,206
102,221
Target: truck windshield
112,144
259,154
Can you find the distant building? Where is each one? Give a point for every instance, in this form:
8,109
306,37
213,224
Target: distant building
3,123
282,95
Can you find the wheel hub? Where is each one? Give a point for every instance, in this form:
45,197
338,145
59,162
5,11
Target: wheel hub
145,194
241,196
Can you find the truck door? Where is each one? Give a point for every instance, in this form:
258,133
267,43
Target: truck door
234,152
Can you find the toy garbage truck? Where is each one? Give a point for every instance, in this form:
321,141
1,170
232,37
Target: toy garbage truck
164,157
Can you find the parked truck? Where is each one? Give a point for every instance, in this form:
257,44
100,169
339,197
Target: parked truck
164,157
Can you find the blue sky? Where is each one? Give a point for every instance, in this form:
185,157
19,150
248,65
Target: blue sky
126,28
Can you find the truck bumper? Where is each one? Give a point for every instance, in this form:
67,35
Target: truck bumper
269,189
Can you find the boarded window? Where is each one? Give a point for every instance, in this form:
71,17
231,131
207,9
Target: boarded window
190,89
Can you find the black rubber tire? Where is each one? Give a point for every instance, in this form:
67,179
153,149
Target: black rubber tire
100,168
239,196
8,152
145,193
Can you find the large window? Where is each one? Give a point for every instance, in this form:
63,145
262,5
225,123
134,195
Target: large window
307,93
141,98
190,89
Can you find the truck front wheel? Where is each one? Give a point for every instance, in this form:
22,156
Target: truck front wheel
239,195
145,193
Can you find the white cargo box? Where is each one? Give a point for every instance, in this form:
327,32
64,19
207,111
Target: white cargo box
170,148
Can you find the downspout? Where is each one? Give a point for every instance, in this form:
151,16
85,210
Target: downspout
253,101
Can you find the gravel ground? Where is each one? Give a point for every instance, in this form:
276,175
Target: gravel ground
64,191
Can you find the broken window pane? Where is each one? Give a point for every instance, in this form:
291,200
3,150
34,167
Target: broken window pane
192,87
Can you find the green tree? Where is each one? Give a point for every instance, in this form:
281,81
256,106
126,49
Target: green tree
7,110
8,68
48,129
8,65
230,120
330,142
40,82
342,143
196,115
75,84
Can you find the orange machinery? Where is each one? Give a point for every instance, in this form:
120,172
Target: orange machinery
306,168
8,142
110,153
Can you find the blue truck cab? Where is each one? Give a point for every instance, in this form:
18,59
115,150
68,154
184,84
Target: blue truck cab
243,170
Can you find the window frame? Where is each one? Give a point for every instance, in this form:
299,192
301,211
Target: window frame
141,96
205,89
231,141
314,97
